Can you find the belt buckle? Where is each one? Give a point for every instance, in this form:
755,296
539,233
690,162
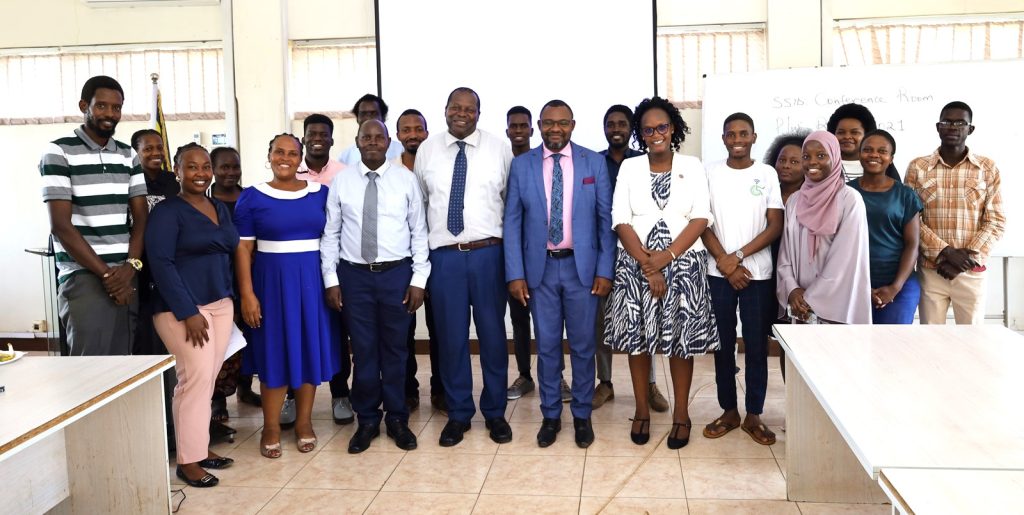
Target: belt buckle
459,246
375,267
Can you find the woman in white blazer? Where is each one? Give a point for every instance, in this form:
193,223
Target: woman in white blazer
660,301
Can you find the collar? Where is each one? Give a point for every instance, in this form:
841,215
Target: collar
363,169
472,140
565,152
630,152
266,189
935,159
304,168
111,145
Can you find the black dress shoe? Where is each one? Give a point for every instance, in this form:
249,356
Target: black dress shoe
549,429
501,432
361,440
216,463
399,432
678,443
641,437
204,482
584,432
451,435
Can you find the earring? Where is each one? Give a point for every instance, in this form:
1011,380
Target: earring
177,178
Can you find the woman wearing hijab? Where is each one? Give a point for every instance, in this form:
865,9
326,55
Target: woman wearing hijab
823,261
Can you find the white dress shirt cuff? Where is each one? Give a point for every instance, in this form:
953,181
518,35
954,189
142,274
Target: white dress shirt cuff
330,279
419,281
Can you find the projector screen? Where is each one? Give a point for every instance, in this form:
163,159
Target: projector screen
590,53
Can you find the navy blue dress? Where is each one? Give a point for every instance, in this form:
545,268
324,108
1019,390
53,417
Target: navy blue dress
294,344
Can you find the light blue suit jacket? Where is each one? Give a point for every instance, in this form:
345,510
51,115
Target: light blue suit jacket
526,218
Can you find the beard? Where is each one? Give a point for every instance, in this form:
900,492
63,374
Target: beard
90,122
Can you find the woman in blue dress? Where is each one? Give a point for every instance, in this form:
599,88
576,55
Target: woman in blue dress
278,269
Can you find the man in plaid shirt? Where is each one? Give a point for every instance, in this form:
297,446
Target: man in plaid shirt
962,219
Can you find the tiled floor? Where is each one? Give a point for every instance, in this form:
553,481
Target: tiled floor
728,475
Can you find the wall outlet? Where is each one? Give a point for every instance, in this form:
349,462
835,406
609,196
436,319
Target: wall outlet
39,326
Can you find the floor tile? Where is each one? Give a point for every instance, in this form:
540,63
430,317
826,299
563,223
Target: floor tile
532,504
252,469
630,506
390,503
614,440
340,470
707,478
632,477
741,507
440,472
531,475
242,500
319,502
808,508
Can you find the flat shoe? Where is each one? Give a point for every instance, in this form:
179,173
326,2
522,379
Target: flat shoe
216,463
204,482
760,434
678,443
719,428
644,435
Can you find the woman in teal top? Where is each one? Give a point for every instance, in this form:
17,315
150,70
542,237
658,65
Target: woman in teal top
894,224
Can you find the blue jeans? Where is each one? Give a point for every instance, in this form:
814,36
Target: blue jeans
904,304
757,309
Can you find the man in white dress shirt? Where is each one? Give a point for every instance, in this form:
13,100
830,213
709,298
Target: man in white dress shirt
463,173
368,107
374,249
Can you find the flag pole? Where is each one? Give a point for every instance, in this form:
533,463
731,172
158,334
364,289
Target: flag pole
159,124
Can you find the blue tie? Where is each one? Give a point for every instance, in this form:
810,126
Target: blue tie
555,223
457,201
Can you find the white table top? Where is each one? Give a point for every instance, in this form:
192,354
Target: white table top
46,393
913,396
942,491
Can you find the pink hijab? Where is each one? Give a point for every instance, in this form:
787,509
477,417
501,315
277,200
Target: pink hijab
816,208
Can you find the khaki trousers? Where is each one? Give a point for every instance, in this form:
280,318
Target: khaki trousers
966,292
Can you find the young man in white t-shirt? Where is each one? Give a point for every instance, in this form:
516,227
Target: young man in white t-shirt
747,206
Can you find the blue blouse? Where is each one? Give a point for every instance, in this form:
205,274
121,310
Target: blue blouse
189,256
887,212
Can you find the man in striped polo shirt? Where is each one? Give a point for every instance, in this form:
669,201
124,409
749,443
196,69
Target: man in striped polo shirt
90,182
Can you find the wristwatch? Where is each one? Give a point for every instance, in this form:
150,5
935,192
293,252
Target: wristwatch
136,263
739,254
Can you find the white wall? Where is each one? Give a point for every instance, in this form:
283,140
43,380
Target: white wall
262,30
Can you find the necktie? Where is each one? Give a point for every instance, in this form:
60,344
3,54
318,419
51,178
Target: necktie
369,225
458,197
555,218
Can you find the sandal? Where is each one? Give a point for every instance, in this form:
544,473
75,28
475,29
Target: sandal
679,443
305,444
760,433
219,409
719,428
272,450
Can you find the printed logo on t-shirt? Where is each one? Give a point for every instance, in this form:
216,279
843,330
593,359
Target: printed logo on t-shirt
757,189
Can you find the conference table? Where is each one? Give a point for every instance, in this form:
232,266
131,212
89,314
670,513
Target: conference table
863,399
953,492
83,435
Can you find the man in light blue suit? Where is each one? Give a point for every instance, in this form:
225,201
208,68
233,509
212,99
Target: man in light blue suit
559,253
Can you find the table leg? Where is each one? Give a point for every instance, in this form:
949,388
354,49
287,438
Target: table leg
820,467
117,459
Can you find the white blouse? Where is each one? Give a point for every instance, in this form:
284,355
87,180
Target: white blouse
688,198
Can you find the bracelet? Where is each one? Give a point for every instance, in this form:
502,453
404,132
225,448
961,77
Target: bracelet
674,256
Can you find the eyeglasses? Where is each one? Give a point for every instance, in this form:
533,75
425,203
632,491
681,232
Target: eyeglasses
649,131
956,124
563,124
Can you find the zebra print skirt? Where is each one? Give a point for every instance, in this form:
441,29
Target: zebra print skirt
681,324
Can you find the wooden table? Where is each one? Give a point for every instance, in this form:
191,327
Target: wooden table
953,492
84,435
863,398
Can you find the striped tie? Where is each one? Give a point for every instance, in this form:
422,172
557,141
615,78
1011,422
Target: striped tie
369,225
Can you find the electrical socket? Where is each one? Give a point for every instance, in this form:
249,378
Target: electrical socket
39,326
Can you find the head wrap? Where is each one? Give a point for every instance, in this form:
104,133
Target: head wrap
816,208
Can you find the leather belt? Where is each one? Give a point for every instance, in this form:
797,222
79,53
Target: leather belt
378,267
473,245
560,253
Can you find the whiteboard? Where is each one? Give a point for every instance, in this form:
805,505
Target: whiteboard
905,100
590,53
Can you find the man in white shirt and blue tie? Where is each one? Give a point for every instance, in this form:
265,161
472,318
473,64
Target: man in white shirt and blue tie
374,261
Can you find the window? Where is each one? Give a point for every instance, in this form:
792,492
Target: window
328,76
931,40
686,54
45,85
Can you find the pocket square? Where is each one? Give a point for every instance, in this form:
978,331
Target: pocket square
588,180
